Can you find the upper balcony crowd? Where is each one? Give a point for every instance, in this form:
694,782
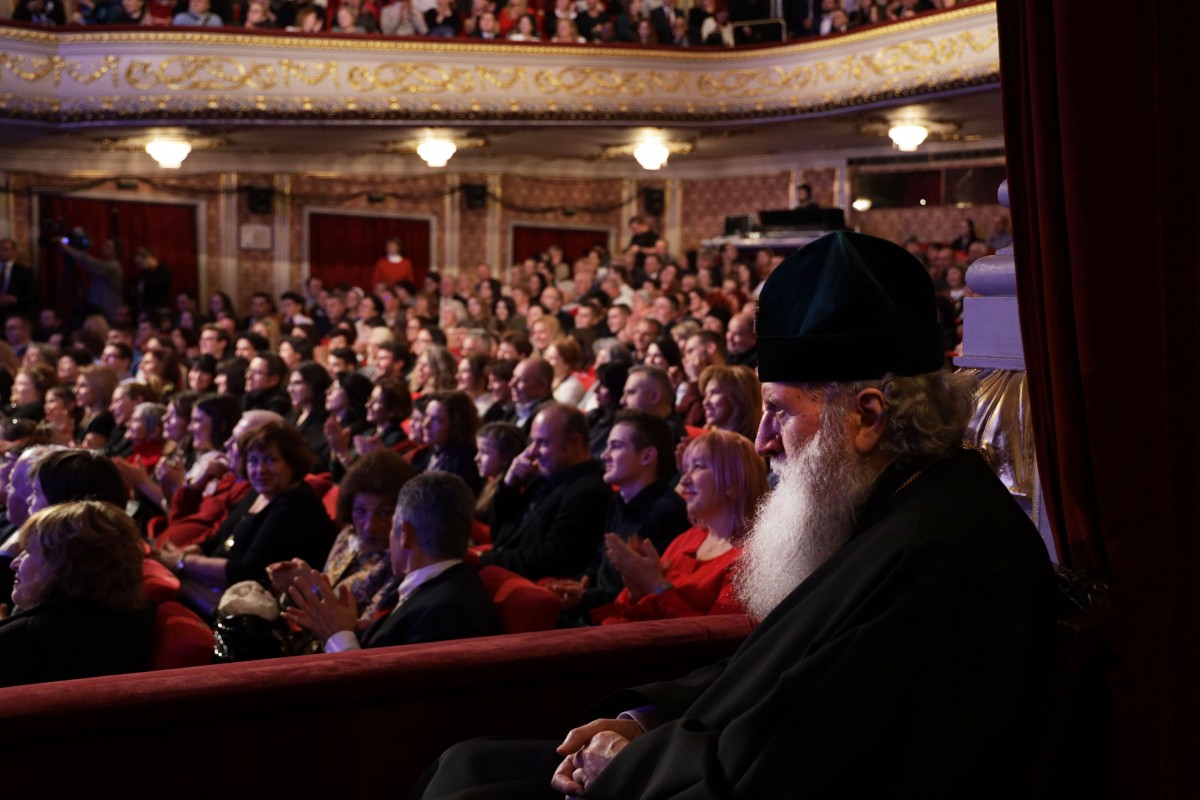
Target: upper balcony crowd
720,23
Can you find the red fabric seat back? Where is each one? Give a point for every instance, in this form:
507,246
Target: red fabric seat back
523,606
158,583
181,639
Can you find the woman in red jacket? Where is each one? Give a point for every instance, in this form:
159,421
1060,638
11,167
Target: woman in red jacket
722,482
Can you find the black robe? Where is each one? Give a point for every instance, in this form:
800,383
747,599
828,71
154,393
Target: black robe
915,662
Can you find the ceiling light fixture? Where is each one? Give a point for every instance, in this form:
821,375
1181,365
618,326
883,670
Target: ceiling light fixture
436,152
910,132
651,154
908,137
651,150
862,204
168,151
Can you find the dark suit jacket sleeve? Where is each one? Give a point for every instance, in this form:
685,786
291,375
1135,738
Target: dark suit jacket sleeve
454,605
559,537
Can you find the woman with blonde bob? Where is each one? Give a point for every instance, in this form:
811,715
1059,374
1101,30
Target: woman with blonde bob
722,481
77,592
732,399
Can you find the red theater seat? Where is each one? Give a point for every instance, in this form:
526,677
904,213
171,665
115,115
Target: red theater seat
158,583
523,606
181,639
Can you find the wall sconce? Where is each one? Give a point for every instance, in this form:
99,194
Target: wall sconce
862,204
168,151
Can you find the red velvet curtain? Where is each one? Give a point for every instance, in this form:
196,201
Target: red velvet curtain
1100,107
169,229
530,241
343,248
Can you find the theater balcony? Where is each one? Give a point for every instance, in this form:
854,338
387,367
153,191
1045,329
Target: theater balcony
292,134
57,86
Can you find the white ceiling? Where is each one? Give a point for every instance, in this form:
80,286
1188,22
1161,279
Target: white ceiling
358,147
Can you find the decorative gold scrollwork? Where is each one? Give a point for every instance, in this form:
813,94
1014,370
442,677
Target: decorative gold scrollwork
410,78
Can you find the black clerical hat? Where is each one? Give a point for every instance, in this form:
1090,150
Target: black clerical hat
847,307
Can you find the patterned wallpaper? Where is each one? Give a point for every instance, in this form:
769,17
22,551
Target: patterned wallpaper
472,230
704,205
595,203
707,202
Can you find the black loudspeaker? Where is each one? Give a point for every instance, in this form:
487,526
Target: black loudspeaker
654,201
260,200
475,194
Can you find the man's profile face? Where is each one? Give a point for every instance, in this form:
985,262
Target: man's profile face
7,251
740,337
621,458
259,377
547,445
639,393
526,385
644,334
791,417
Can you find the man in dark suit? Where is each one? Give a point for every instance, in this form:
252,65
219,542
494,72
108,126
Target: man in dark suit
439,597
18,289
548,516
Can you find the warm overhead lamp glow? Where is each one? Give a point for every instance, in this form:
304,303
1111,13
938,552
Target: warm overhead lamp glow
436,152
651,155
169,152
908,137
862,204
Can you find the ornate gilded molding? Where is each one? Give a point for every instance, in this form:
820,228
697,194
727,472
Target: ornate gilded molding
66,77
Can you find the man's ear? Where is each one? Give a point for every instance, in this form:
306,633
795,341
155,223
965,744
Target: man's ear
868,412
648,456
408,536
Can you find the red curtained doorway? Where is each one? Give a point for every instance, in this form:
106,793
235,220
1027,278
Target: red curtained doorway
343,248
169,229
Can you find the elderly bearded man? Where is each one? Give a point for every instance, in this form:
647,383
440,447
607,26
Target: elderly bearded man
907,602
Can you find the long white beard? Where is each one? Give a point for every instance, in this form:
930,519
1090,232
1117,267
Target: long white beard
804,520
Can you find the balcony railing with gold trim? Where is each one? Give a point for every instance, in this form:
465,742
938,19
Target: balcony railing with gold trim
95,75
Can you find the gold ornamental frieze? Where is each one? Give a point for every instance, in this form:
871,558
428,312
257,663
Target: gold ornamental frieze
64,76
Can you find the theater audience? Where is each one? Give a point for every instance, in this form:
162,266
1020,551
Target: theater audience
723,480
639,461
610,388
359,558
449,425
78,608
548,516
732,399
496,445
440,597
565,358
280,519
307,387
94,387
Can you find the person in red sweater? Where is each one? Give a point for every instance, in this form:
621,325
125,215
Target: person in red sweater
391,268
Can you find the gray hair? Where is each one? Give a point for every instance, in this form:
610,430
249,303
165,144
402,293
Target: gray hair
617,351
150,414
926,415
439,506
